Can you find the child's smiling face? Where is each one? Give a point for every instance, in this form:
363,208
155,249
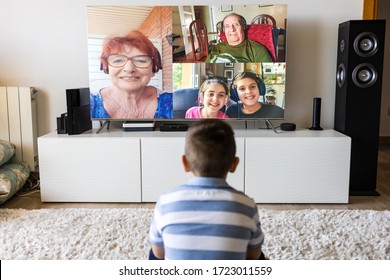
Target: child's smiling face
248,91
214,98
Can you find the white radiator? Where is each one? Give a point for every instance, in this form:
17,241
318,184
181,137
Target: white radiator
18,122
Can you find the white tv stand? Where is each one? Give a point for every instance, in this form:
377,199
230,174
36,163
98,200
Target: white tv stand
301,166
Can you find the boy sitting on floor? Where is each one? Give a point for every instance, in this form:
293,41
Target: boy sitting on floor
206,218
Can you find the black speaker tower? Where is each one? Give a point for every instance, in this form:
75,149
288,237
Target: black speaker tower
78,110
358,98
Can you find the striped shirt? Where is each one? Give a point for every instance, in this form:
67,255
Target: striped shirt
206,219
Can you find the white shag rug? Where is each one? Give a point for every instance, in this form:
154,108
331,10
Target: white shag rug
121,234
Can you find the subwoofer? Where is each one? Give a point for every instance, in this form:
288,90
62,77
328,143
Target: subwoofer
78,110
358,98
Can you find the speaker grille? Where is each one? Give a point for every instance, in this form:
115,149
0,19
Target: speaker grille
341,73
364,75
342,45
366,44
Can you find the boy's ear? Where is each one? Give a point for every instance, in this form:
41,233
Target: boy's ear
185,163
234,165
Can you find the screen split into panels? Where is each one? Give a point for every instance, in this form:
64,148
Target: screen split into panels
187,62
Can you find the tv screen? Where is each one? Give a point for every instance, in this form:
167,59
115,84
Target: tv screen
187,62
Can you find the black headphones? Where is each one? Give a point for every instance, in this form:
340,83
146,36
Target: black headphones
233,90
241,19
157,65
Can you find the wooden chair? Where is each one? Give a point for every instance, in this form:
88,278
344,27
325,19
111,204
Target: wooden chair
264,19
219,26
199,40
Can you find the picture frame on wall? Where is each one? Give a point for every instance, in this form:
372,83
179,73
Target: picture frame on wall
228,74
226,8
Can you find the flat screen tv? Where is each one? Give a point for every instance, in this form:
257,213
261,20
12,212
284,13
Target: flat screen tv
178,63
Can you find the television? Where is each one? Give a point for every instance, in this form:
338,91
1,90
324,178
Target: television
159,79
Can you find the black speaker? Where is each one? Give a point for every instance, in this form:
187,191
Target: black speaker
358,97
78,110
62,124
316,119
288,126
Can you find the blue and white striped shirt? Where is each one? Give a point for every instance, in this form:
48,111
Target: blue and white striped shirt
206,219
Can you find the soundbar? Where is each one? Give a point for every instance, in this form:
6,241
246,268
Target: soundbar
174,127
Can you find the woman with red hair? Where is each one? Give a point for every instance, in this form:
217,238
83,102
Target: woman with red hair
130,61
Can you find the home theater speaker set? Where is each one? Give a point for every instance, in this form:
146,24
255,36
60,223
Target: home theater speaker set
360,55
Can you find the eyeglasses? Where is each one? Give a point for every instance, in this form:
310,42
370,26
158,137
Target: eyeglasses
236,25
139,61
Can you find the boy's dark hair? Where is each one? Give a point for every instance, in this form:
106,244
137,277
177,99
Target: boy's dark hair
210,148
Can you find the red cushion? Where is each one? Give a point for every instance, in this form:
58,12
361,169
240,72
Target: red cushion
261,33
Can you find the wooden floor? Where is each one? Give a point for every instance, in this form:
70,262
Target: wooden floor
382,202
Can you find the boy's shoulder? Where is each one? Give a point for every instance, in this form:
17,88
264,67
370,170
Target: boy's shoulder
207,188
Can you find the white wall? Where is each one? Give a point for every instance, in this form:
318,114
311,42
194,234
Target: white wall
43,44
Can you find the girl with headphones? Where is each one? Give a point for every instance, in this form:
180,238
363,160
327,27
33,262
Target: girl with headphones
246,89
213,96
130,61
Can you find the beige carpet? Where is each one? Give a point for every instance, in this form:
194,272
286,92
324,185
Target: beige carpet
121,234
